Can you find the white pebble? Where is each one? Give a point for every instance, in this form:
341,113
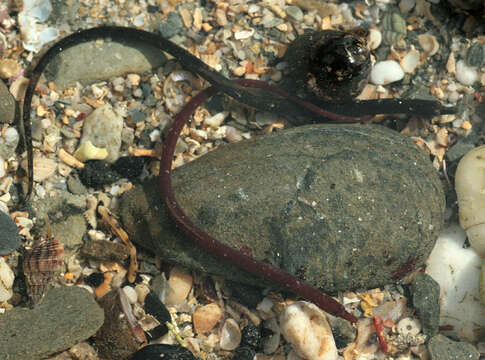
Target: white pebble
386,72
230,335
305,326
11,137
6,281
465,74
2,168
130,294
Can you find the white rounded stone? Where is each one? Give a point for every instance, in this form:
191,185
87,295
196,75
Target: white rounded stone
386,72
465,74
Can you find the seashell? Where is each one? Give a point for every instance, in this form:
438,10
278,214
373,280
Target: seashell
43,168
410,61
469,186
180,283
8,68
429,44
394,27
271,342
409,326
206,317
230,335
87,151
40,265
475,55
374,39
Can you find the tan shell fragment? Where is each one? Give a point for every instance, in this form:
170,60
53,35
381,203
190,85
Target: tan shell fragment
429,44
40,265
206,317
43,168
410,61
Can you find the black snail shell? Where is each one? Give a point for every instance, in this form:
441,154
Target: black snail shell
332,65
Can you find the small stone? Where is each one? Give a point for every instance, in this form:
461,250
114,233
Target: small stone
103,128
171,26
386,72
163,351
230,336
180,283
8,68
206,317
306,328
475,55
251,336
74,184
130,294
244,353
394,27
6,281
343,331
295,13
7,105
103,250
9,236
129,166
426,300
465,74
67,316
97,173
442,348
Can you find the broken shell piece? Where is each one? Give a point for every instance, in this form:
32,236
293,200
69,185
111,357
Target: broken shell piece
6,281
230,335
40,265
180,283
410,61
429,44
206,317
409,326
469,186
374,39
87,151
305,326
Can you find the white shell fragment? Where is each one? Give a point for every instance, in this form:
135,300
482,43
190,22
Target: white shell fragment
374,39
410,61
386,72
470,190
429,44
34,33
465,74
230,335
305,326
180,283
6,281
409,326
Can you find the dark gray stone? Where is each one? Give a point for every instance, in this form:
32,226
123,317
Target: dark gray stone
103,250
426,301
342,206
9,236
442,348
90,62
343,331
171,26
74,184
66,316
457,151
7,105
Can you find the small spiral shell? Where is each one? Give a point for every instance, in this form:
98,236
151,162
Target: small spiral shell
40,265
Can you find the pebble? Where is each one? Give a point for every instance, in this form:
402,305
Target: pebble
386,72
467,75
475,55
9,236
131,294
426,301
67,316
206,317
171,26
8,68
74,184
103,128
294,12
97,173
163,351
103,250
251,336
230,336
442,348
7,105
306,328
180,283
6,281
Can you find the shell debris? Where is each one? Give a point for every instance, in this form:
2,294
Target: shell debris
40,265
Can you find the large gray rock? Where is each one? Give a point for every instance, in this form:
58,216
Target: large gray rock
90,62
66,316
442,348
341,206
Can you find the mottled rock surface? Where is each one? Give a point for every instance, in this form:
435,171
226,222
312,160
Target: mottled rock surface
442,348
66,316
341,206
426,300
9,236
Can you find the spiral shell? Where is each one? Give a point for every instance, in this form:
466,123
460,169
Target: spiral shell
40,265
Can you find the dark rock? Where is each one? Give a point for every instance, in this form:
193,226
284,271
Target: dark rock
442,348
457,151
66,316
343,331
94,279
156,308
115,339
247,295
97,173
426,301
129,166
244,353
9,236
359,209
171,26
103,250
82,62
251,336
163,351
7,105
